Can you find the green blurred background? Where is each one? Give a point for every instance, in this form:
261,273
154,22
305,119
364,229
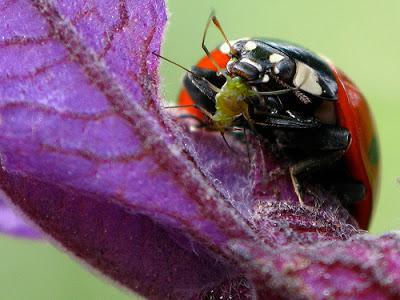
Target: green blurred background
361,37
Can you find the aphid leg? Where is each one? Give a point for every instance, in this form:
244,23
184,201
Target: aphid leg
247,145
200,122
299,94
203,110
302,97
260,99
226,143
277,92
247,117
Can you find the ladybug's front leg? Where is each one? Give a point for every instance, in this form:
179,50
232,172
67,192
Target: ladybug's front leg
315,148
199,88
282,120
348,190
309,165
319,152
317,139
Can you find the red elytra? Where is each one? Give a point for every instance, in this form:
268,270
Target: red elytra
352,112
362,155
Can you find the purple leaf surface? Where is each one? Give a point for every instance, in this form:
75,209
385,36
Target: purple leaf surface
87,154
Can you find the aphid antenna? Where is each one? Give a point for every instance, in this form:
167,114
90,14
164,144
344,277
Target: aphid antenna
212,86
217,24
175,63
203,43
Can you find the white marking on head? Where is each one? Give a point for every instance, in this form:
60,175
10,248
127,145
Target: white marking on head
250,45
307,79
275,57
276,70
224,48
253,63
265,78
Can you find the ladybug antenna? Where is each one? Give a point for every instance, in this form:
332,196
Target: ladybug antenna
232,50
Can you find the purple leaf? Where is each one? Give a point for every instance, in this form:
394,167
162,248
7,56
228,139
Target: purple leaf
88,155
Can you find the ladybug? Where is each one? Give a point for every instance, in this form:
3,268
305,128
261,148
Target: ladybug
309,107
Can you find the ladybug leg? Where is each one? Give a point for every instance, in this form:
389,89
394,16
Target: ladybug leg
324,146
285,122
320,139
203,84
309,165
203,91
295,184
329,142
349,191
284,119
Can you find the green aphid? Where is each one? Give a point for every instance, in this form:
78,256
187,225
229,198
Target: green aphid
231,103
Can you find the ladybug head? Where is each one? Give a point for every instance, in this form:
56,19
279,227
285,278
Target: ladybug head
257,62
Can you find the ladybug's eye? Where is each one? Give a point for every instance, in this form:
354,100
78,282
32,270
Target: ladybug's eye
285,68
